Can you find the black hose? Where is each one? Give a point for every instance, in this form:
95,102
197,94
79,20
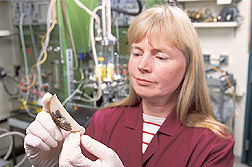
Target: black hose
5,86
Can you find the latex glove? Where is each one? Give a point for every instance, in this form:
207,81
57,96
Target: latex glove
44,139
71,155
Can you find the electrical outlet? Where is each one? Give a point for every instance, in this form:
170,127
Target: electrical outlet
224,59
206,58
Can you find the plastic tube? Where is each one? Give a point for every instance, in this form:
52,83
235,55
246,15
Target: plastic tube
10,144
72,94
31,32
18,134
49,20
23,46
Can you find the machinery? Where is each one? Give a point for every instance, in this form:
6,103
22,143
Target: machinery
75,49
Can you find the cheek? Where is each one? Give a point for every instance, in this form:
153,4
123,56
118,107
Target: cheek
131,66
170,79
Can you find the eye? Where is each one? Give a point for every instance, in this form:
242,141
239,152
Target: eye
161,58
137,54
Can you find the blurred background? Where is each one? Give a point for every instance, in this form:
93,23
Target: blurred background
78,50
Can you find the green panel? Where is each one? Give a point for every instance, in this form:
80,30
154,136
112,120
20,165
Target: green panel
79,22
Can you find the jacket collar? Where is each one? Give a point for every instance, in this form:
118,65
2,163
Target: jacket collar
134,117
171,124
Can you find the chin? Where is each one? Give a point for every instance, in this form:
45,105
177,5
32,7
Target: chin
146,95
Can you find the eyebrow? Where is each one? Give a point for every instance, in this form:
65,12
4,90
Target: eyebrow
136,47
154,50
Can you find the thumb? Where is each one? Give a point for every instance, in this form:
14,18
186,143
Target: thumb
75,155
45,101
98,149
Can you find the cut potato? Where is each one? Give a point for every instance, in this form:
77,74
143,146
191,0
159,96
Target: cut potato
61,117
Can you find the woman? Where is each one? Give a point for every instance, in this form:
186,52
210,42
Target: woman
167,119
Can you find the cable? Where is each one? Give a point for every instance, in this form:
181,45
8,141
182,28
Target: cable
229,84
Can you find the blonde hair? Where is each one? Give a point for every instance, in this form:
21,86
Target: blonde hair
172,25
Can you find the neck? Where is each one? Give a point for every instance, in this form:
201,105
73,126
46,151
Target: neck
158,108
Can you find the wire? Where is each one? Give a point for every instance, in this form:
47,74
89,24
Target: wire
229,84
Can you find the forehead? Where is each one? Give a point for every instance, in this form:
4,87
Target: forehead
155,43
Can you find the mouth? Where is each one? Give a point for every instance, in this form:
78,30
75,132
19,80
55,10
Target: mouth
144,82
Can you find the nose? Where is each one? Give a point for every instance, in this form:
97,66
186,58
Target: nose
144,65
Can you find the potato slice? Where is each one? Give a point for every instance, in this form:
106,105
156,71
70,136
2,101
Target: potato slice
61,117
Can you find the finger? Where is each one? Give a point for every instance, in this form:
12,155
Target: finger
45,100
46,121
63,157
36,142
82,131
38,130
76,157
98,149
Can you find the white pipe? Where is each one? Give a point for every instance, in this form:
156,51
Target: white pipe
92,14
19,134
108,16
92,40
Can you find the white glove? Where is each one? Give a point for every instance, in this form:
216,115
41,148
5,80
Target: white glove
71,155
44,139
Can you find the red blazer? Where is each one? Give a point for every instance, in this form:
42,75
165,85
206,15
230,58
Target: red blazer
174,145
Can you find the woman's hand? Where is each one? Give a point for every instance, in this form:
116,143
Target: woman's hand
71,155
44,139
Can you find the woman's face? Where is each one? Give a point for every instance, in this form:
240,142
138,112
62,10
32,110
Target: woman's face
155,72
